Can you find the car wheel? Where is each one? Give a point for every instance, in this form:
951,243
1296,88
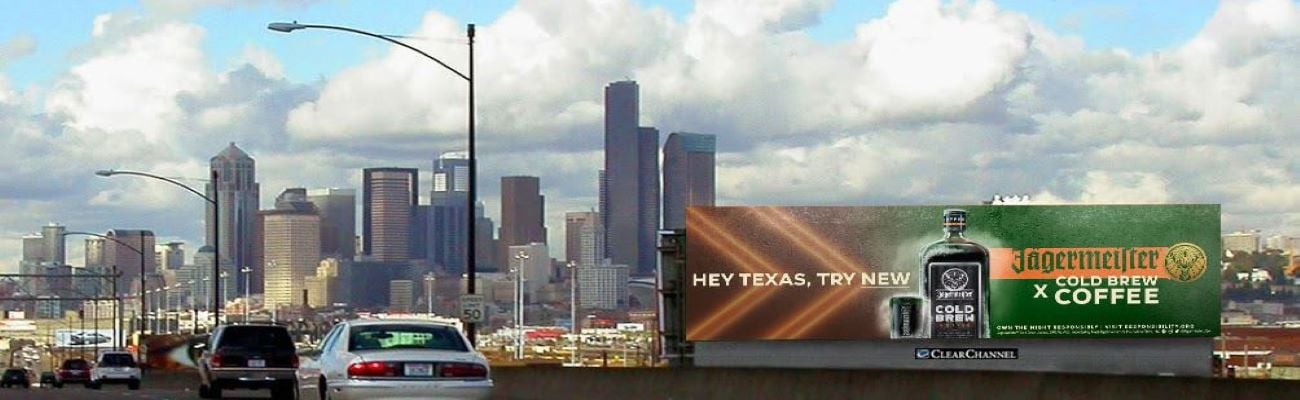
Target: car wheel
203,392
214,391
324,391
133,385
95,385
58,386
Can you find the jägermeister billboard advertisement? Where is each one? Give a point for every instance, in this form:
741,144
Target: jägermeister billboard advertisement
955,272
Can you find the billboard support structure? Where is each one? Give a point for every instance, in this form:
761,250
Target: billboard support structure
672,318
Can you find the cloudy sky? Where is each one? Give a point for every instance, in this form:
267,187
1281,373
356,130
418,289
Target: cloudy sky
815,102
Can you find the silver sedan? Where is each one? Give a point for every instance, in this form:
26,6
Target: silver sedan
394,359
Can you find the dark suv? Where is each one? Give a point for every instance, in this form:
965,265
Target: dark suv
73,370
249,357
16,377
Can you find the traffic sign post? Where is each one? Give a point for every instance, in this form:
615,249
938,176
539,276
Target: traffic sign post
473,308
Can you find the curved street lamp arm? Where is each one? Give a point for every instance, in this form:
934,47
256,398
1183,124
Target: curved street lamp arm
390,40
137,251
165,179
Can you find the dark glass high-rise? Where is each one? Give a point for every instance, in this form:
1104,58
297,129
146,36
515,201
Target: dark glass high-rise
955,278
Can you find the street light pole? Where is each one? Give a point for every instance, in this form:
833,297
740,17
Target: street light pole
248,296
216,229
573,310
471,254
429,279
519,305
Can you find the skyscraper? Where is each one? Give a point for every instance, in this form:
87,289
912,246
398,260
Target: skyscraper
237,191
390,196
55,243
449,198
292,248
485,242
647,200
603,286
631,181
170,256
522,213
95,252
577,227
688,175
421,232
127,259
536,267
338,220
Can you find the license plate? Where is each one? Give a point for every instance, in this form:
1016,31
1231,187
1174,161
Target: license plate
419,369
256,363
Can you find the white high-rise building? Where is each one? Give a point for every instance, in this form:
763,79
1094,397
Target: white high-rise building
1241,242
603,286
292,248
536,267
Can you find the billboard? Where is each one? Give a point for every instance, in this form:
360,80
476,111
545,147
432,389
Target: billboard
83,338
972,272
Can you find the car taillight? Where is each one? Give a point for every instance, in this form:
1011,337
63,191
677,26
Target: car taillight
216,360
372,369
462,370
295,361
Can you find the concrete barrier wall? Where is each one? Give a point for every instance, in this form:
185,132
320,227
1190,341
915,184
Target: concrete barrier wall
526,383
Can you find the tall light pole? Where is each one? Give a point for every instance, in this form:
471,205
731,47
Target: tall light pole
573,309
519,304
138,250
216,229
429,280
248,295
471,255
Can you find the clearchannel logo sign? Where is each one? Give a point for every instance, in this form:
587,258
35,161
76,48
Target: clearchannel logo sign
966,354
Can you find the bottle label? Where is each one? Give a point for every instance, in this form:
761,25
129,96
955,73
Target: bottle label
955,293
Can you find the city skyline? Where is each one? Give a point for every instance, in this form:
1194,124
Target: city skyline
802,116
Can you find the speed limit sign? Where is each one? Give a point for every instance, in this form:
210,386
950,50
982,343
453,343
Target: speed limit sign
472,308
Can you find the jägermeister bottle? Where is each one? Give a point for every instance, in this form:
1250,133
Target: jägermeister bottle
955,278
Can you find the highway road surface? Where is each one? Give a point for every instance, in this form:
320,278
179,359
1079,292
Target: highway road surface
115,392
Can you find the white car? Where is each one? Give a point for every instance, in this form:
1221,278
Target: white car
114,367
394,359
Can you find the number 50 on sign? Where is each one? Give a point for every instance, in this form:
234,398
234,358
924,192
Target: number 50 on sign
472,308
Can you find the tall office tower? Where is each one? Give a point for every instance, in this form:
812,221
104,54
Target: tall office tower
55,243
584,238
647,229
536,267
202,276
237,191
292,248
170,255
688,175
631,189
95,252
323,287
338,220
485,242
34,248
603,207
603,286
389,198
127,259
449,234
421,228
522,212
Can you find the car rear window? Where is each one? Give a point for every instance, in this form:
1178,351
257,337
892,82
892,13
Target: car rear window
255,338
13,372
75,364
117,360
422,337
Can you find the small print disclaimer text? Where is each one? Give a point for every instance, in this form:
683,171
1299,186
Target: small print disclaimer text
966,354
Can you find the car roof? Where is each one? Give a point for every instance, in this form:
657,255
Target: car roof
370,322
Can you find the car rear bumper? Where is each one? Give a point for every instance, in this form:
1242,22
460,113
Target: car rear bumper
252,377
399,390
